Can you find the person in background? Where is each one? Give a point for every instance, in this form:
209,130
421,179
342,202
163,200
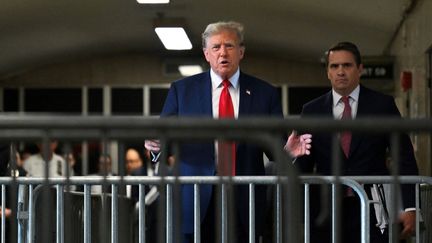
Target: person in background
104,169
361,153
134,160
57,166
9,167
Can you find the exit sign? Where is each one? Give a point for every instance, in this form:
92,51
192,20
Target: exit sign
377,71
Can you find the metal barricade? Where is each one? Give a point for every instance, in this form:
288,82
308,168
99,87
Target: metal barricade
28,226
263,132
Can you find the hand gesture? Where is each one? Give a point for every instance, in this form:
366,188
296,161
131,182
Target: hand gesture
408,224
298,145
152,145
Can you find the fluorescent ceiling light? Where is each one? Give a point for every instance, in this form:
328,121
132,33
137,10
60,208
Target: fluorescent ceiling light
189,70
174,38
153,1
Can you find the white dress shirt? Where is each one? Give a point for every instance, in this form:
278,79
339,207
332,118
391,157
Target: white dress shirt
338,105
217,87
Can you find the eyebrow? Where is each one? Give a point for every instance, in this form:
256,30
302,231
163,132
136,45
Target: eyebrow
341,64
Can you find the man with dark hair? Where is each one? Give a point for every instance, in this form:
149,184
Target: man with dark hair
362,154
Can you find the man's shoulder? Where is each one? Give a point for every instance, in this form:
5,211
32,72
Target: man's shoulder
367,92
255,82
34,157
190,80
57,157
319,101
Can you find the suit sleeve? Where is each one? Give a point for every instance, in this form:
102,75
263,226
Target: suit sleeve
4,159
170,107
407,162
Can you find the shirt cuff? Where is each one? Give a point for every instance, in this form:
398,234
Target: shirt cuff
409,209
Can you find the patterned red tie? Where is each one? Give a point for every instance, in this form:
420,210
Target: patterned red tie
346,136
226,150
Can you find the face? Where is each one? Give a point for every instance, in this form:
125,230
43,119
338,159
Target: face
223,52
104,164
133,161
343,72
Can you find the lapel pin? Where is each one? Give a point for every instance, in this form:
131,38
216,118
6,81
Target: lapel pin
248,92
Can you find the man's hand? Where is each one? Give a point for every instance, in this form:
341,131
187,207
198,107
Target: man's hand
298,145
408,222
152,145
8,212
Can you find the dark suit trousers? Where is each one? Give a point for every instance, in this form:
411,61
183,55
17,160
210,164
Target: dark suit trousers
210,226
351,225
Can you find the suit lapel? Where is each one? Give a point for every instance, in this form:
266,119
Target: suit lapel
328,104
246,92
204,93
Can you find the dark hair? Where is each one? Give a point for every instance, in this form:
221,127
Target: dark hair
345,46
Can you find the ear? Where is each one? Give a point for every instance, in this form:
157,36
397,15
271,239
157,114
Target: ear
206,54
360,68
242,51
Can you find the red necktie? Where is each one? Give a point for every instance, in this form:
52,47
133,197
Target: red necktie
226,150
346,136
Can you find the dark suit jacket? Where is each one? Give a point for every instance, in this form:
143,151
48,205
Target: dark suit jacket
368,152
192,97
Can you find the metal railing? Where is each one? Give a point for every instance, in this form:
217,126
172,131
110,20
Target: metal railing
264,132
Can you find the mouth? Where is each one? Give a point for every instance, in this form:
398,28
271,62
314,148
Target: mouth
224,62
342,80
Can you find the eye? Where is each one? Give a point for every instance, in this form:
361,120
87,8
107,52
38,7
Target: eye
215,47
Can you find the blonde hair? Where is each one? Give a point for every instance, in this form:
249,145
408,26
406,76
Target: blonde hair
215,28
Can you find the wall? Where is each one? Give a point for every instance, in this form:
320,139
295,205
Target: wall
147,69
410,47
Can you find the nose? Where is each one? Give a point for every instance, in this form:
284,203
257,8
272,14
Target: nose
223,50
340,71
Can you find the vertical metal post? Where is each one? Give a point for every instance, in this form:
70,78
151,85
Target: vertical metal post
21,218
141,215
394,208
3,211
417,203
87,214
224,220
31,215
197,214
336,189
114,214
335,215
306,214
278,213
60,214
169,211
251,213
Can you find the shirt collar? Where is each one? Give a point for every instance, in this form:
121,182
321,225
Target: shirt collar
354,95
217,80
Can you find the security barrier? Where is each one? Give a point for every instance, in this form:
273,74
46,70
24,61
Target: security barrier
265,132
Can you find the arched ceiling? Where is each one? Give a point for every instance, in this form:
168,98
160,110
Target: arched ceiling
46,31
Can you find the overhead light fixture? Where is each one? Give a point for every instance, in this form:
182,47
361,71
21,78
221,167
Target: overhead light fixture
153,1
172,33
174,38
189,70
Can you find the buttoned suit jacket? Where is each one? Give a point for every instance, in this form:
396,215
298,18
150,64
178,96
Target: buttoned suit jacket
192,97
368,152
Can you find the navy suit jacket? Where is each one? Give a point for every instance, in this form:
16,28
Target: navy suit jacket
368,152
192,97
